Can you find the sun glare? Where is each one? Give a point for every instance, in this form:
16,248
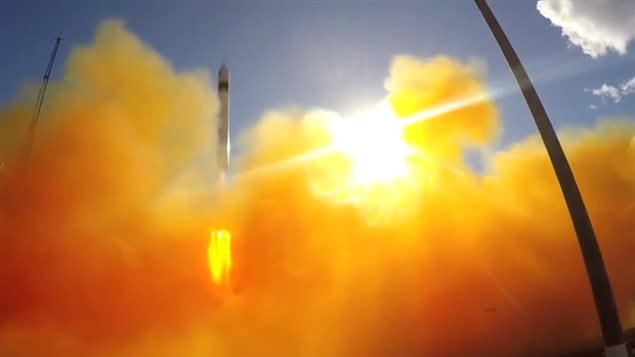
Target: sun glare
371,168
374,143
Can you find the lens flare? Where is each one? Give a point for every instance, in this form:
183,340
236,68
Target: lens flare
374,143
369,166
219,254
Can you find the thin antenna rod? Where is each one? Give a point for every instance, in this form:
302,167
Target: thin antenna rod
40,99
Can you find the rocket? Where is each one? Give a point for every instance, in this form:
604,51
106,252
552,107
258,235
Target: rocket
223,121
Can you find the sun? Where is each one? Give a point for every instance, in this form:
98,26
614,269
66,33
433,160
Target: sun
370,165
374,143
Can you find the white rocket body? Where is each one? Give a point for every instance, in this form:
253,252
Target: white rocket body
223,121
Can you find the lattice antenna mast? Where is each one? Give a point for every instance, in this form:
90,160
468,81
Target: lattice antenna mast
40,99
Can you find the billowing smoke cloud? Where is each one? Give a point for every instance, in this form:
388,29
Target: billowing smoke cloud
94,230
104,237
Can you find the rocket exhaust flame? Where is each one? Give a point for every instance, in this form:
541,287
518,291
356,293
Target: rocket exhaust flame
219,255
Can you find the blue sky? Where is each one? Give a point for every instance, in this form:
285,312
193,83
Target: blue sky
327,54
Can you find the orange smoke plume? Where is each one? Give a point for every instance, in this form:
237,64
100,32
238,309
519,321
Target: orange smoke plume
105,248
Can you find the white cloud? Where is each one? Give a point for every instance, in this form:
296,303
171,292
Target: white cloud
595,26
628,87
606,91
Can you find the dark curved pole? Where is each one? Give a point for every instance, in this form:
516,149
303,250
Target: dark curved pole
596,270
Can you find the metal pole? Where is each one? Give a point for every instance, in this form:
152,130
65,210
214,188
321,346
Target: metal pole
596,270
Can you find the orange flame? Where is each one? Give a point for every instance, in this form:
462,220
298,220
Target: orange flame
219,254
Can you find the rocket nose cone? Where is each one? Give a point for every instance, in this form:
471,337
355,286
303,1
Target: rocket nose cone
223,72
